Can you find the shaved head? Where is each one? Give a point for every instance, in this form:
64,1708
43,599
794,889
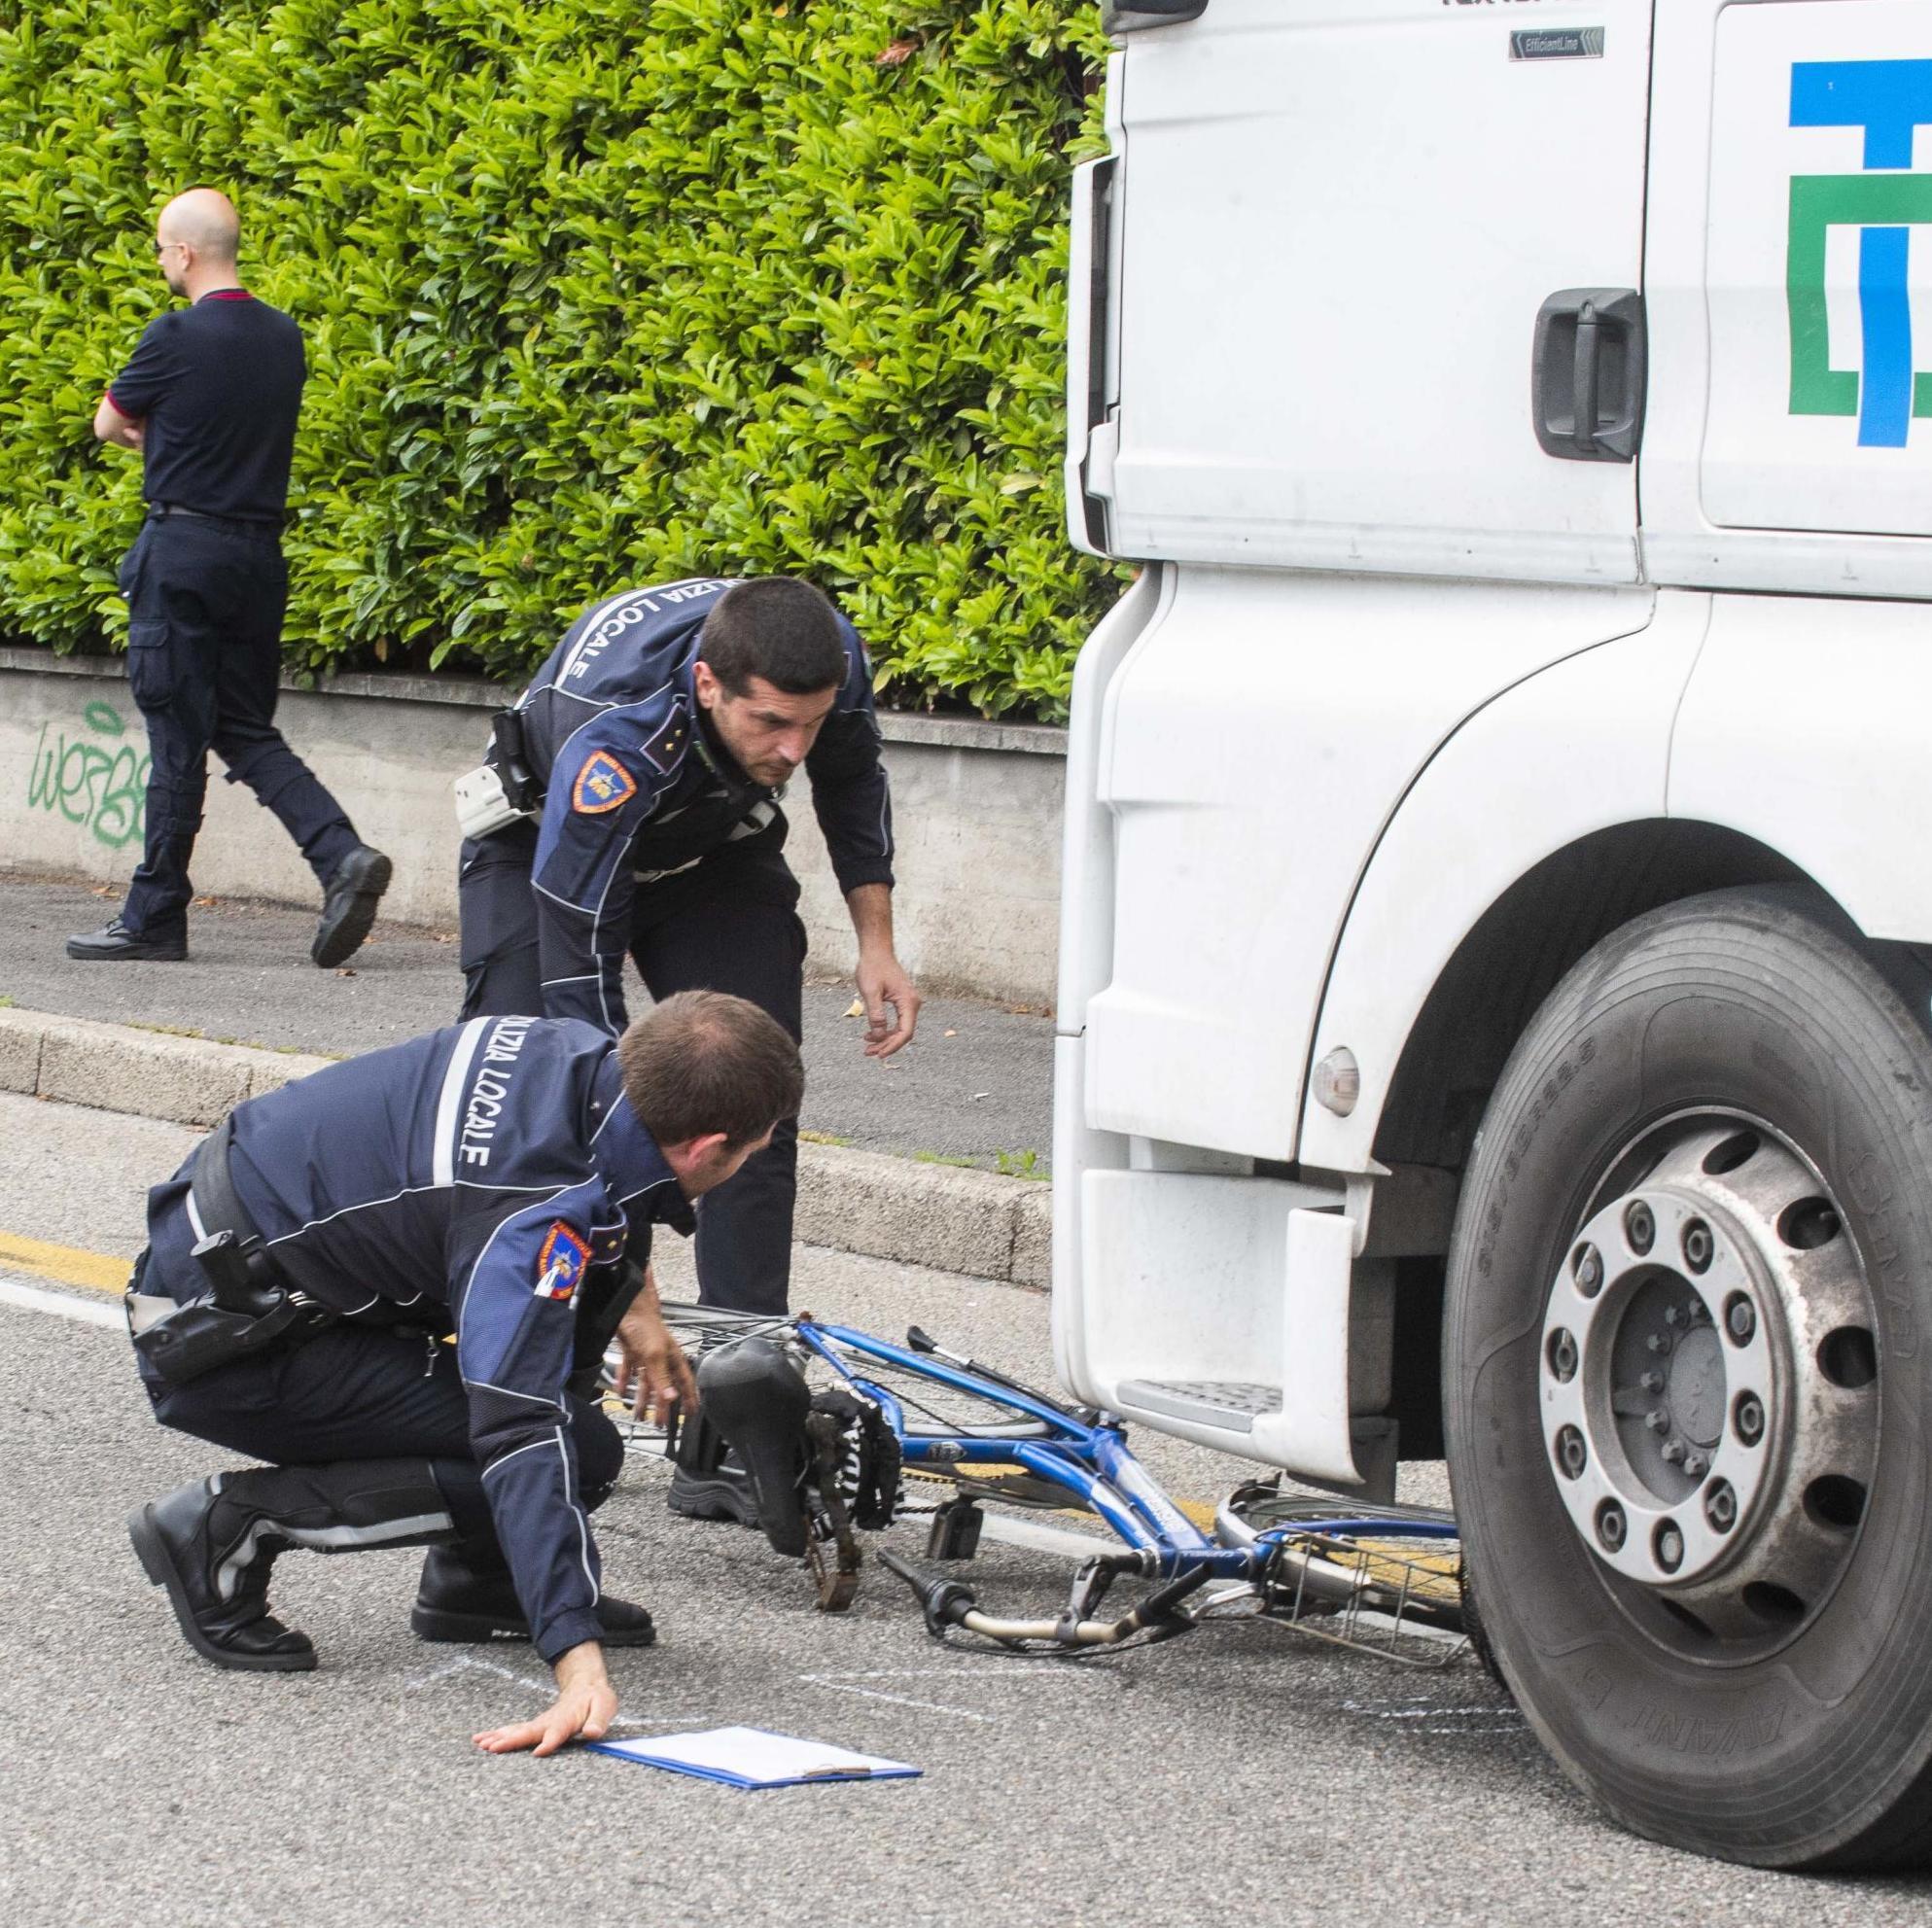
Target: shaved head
204,220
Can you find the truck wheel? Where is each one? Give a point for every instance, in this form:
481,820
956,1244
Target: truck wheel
1688,1384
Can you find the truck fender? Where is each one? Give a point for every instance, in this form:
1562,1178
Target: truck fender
1577,748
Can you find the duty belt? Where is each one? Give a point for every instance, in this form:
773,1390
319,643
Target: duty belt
249,1306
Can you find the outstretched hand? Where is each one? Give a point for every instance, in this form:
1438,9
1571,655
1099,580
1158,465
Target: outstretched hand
653,1370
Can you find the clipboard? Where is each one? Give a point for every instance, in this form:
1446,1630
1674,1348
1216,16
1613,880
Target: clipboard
752,1757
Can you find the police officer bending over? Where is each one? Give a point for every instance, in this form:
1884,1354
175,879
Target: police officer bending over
631,803
498,1180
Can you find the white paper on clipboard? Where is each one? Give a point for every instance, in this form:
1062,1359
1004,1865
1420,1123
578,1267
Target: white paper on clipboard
750,1757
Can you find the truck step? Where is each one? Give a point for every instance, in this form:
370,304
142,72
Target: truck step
1230,1404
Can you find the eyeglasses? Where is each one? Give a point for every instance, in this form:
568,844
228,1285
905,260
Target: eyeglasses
161,246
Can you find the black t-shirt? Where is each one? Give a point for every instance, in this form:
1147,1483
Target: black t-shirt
219,387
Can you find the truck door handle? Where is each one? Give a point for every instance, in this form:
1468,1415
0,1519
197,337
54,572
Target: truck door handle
1589,371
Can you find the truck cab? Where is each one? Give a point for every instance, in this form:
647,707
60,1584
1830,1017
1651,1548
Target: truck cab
1493,1000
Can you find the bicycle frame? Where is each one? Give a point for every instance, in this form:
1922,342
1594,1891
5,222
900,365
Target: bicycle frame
1091,1463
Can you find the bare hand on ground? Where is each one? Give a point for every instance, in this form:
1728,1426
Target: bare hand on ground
584,1709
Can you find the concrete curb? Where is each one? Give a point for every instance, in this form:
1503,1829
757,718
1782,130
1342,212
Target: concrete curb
900,1208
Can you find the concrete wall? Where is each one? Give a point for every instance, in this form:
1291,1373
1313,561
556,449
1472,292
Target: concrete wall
977,807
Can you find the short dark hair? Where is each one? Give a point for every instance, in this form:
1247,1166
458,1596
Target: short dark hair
703,1060
778,628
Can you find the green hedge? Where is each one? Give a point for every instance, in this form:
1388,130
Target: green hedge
595,292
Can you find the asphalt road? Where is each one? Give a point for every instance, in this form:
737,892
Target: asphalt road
1245,1772
975,1082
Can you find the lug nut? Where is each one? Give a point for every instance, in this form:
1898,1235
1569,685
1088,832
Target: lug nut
1639,1227
1657,1419
1588,1268
1611,1525
1748,1416
1573,1455
1696,1464
1659,1341
1563,1356
1668,1546
1674,1452
1741,1320
1672,1317
1720,1506
1699,1246
1652,1382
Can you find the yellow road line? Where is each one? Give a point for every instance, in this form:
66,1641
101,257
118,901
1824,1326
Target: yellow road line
63,1264
102,1274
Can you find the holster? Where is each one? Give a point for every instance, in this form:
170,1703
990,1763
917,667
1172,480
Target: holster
509,757
248,1308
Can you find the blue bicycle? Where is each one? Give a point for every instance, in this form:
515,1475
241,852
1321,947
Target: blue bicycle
828,1422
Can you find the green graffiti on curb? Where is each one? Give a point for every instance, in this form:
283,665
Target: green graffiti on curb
102,784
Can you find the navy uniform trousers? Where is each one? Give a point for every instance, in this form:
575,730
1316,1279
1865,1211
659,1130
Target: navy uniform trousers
728,923
205,600
372,1392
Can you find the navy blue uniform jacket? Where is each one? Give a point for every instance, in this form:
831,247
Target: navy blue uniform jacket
484,1168
636,787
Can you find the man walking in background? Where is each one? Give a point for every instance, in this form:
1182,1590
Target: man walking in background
210,400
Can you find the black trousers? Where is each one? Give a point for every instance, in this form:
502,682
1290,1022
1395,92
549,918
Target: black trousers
205,603
370,1392
730,924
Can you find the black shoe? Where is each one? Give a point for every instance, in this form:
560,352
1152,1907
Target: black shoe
758,1402
114,940
464,1597
724,1492
213,1557
348,905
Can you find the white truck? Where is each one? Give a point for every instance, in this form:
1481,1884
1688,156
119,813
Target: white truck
1494,1011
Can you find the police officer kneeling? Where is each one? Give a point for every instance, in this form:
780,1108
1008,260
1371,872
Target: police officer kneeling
498,1180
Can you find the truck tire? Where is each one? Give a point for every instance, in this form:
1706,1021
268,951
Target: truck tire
1687,1383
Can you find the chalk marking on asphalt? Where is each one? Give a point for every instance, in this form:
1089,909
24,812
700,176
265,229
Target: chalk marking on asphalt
472,1662
849,1683
1463,1720
63,1264
903,1700
88,1311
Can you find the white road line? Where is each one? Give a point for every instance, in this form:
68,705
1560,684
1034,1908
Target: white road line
64,1305
1016,1531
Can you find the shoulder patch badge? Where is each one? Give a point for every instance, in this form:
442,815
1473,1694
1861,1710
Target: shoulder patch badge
603,783
561,1264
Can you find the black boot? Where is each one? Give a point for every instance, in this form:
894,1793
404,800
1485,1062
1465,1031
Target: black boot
212,1544
466,1593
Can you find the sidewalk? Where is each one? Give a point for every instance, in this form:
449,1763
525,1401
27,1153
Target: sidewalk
930,1158
976,1084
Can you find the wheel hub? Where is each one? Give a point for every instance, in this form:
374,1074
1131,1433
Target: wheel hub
1708,1379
